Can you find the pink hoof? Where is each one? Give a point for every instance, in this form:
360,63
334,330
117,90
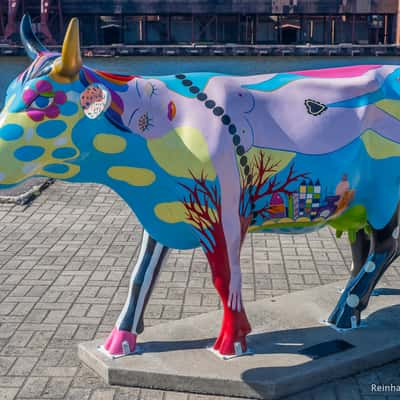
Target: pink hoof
109,340
114,343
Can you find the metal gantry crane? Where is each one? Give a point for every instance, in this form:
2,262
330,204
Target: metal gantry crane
42,27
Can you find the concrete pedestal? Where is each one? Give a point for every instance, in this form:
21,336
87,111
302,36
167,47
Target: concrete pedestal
175,355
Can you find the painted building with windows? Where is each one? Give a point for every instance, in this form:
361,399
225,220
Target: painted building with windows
212,21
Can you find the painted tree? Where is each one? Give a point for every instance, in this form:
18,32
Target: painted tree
259,185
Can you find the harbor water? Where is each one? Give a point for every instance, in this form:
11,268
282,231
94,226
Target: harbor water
10,67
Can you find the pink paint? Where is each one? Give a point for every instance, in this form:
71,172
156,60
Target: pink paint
341,72
114,341
43,86
36,115
52,111
60,97
28,96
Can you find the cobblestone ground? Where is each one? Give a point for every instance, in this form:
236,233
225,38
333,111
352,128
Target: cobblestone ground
64,268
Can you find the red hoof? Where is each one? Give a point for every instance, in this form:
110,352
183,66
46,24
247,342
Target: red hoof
114,342
233,331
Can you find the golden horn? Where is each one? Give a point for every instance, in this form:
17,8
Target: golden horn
67,67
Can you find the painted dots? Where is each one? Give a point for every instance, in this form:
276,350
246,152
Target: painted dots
353,300
28,153
109,144
201,96
64,152
187,82
132,176
240,150
218,111
232,129
180,76
210,103
194,89
226,119
396,232
51,129
56,168
236,140
370,267
11,132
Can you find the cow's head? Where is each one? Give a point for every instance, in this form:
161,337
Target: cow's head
46,102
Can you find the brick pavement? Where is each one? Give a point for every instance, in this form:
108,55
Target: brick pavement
64,269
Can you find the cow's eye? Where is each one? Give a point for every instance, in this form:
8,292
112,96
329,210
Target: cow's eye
41,102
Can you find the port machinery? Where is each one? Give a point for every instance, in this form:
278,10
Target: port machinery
9,28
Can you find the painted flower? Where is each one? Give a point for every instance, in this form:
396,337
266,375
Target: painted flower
43,101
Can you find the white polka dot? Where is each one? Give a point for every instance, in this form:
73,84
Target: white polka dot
353,300
73,96
396,232
29,134
28,168
370,266
60,141
2,117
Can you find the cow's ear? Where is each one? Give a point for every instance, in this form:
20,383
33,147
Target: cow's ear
67,67
95,100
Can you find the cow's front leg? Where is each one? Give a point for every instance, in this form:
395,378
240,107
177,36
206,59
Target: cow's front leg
235,325
384,250
227,278
122,339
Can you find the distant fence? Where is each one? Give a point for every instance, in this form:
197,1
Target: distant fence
223,50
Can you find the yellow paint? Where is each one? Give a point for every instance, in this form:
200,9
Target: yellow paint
391,107
171,213
13,170
131,175
174,212
379,147
110,144
181,151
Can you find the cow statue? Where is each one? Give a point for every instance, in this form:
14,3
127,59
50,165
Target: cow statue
204,158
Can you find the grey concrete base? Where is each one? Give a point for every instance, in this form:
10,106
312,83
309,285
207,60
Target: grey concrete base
175,356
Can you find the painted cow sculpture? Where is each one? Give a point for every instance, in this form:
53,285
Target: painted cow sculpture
204,158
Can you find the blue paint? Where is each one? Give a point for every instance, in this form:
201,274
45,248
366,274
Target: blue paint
64,152
28,153
51,129
56,168
11,132
68,108
41,102
390,89
274,83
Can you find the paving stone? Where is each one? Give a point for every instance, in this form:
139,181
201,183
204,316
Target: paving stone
65,264
8,393
33,387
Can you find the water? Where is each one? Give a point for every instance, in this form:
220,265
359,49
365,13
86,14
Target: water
12,66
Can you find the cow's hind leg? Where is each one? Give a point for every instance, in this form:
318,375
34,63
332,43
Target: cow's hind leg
383,251
235,325
144,275
359,251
